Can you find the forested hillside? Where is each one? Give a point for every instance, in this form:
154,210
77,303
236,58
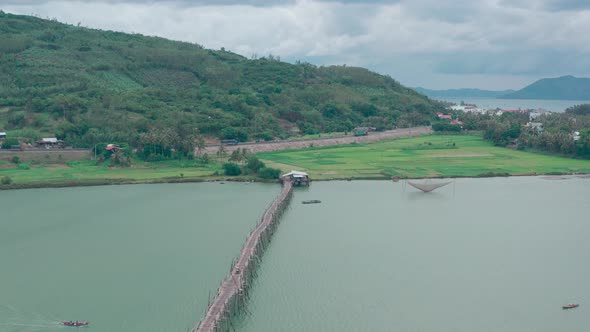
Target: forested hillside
88,86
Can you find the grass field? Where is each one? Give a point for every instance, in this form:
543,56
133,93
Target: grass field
86,172
425,156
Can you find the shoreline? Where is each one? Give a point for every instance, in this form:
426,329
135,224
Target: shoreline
110,182
410,158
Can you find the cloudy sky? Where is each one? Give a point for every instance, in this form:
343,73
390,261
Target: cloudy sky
489,44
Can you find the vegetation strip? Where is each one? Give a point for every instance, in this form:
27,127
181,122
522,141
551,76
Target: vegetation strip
231,295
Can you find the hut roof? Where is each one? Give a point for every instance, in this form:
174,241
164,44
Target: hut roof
296,174
48,140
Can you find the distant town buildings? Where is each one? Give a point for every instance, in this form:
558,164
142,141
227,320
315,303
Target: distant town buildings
519,111
533,115
537,113
536,126
471,108
443,116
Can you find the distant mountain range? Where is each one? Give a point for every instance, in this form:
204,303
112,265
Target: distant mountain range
559,88
462,93
565,87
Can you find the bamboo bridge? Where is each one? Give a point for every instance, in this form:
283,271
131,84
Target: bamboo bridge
231,295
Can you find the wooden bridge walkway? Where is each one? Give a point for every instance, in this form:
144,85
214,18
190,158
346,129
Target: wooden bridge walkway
234,284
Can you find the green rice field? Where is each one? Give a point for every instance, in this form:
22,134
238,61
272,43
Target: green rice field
425,156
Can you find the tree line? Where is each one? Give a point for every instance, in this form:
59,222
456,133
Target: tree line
566,133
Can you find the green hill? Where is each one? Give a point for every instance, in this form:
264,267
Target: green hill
89,86
565,87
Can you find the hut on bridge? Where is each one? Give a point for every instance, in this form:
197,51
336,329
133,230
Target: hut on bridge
298,178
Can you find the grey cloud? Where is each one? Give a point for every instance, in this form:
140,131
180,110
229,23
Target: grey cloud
260,3
568,4
548,5
169,2
447,11
547,62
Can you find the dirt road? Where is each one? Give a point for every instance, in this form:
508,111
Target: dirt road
300,144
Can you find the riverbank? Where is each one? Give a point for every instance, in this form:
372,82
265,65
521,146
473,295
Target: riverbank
428,156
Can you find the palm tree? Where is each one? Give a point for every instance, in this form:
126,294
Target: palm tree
221,151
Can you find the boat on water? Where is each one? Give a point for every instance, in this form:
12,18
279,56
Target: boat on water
570,306
75,324
312,201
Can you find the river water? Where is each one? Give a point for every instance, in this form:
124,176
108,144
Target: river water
499,254
126,258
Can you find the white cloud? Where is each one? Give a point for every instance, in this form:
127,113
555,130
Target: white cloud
417,42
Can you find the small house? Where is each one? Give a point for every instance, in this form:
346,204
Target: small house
2,135
537,113
49,142
298,178
112,147
536,126
443,116
576,136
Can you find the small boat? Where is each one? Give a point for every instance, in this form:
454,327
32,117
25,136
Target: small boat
312,201
570,306
75,324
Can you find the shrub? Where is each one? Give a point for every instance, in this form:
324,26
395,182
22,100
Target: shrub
254,164
269,173
6,180
9,142
120,159
15,160
231,169
265,136
442,126
203,159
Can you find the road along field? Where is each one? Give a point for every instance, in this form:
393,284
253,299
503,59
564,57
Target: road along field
319,142
425,156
